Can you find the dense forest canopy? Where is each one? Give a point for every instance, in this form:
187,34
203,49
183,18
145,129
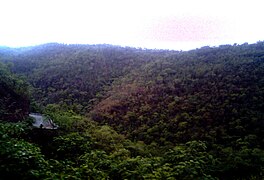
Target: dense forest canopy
75,74
14,102
128,113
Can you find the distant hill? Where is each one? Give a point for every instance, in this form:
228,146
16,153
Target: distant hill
179,115
211,94
142,92
74,74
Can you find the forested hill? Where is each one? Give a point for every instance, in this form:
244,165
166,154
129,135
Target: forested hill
175,114
208,93
212,94
74,74
14,100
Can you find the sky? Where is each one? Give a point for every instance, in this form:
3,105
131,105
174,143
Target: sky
160,24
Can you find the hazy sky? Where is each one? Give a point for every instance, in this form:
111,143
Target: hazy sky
170,24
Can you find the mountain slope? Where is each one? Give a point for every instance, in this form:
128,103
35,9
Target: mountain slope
175,115
211,94
75,74
169,96
14,102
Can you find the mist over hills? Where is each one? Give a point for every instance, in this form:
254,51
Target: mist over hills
173,114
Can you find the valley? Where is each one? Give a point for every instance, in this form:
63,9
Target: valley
130,113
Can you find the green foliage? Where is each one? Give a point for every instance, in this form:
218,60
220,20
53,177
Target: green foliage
19,159
240,160
17,84
74,74
210,94
71,146
149,114
66,118
107,139
14,104
190,161
13,130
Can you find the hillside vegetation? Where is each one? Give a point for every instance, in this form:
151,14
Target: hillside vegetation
127,113
14,101
75,74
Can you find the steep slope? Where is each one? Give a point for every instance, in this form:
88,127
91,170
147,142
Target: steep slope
75,74
182,115
14,102
211,94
